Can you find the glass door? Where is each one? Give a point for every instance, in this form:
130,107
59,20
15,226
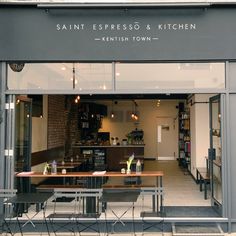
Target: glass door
23,119
215,153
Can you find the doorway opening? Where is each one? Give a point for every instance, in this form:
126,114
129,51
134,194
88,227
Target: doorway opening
177,133
64,132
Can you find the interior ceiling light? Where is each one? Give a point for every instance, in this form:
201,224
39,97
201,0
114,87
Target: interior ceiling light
134,114
73,76
63,68
117,73
77,99
112,111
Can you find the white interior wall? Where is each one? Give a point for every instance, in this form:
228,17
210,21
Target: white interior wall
149,112
200,138
39,129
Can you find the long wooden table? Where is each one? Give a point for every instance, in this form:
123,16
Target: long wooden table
157,189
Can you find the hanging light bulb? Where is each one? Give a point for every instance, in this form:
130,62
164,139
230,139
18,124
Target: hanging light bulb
133,110
112,112
136,117
134,114
73,76
77,99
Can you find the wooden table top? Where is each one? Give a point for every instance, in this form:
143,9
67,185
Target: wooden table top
91,174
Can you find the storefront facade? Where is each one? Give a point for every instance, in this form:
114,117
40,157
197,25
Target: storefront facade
36,34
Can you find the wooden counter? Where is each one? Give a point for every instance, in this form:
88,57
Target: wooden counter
108,146
114,153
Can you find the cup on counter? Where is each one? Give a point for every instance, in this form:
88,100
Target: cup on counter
123,171
63,171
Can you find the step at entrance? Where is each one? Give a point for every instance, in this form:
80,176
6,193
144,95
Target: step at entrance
197,230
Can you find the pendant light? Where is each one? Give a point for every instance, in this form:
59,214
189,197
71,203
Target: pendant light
73,75
112,111
77,99
133,112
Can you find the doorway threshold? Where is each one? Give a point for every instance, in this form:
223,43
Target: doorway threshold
191,211
213,229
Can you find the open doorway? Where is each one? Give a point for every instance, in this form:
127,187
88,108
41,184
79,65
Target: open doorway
65,140
167,139
109,127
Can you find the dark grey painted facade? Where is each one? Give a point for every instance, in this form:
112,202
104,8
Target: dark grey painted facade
1,129
31,33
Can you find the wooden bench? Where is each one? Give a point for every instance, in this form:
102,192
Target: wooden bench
126,186
203,177
47,187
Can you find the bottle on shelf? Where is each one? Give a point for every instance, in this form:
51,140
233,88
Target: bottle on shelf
138,167
54,167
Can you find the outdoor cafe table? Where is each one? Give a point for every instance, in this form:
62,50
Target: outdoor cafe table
158,188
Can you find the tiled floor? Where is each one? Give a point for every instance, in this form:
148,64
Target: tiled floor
179,187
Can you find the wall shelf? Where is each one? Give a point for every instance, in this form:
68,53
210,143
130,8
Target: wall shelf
184,136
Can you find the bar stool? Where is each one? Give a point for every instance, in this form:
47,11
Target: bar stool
122,196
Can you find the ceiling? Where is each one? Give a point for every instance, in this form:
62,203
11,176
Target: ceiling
133,96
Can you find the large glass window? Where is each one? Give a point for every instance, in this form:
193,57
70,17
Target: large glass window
61,76
153,76
98,77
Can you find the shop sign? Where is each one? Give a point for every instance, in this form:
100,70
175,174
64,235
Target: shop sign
34,34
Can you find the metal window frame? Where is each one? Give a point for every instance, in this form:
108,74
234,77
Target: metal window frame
226,217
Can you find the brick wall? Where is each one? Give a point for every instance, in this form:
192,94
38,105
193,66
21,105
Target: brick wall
72,132
56,121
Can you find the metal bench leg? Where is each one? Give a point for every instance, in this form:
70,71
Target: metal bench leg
200,186
205,189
